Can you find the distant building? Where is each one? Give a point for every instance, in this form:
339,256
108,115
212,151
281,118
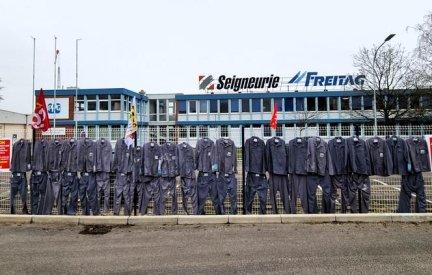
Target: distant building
15,125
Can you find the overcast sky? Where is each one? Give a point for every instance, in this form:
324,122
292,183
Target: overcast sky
163,46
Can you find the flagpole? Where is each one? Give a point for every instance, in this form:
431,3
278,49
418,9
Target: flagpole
76,90
55,76
33,92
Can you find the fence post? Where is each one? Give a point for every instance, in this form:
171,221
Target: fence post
135,193
243,170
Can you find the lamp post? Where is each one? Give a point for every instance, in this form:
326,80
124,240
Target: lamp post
76,90
373,68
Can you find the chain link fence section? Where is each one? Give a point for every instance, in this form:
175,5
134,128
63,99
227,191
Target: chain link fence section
384,190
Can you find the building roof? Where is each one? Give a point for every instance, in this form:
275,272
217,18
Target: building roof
9,117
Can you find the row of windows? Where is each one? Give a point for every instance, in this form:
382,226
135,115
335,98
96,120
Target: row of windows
104,103
283,104
257,105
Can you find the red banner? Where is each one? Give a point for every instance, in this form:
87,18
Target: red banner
273,122
5,154
40,116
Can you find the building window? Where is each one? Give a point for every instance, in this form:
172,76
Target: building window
267,131
322,130
182,132
234,105
171,133
415,102
103,102
391,102
267,105
162,110
299,104
367,103
171,110
116,133
279,131
80,103
256,105
126,103
224,131
153,110
333,103
322,103
181,106
203,106
91,103
279,104
91,132
311,106
403,103
245,106
345,103
289,106
103,131
203,131
192,106
356,102
213,106
192,131
223,106
115,102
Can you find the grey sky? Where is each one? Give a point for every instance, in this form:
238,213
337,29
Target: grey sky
163,46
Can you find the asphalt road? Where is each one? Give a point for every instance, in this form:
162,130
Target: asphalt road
219,249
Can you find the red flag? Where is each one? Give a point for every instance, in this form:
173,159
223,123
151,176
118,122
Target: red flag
40,116
273,122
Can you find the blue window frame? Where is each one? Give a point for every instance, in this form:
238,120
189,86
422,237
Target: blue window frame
256,105
182,106
300,104
223,108
289,106
279,104
213,106
234,105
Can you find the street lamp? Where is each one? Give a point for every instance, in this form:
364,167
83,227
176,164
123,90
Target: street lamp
76,89
373,68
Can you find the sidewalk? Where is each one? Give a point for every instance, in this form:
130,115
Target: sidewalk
225,219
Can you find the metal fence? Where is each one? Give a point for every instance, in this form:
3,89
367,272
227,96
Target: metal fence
384,190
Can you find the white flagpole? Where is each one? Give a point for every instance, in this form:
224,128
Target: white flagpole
33,90
76,90
34,62
55,82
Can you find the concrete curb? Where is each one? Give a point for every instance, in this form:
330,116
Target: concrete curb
103,220
52,219
308,218
363,218
15,219
152,220
254,219
225,219
423,217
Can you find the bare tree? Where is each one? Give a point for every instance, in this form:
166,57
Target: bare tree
392,74
305,118
423,51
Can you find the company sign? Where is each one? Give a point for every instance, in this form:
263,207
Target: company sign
5,154
60,108
313,79
55,132
272,82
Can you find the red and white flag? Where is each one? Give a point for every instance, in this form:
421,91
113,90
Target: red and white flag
40,116
273,122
